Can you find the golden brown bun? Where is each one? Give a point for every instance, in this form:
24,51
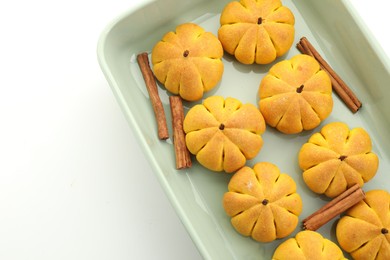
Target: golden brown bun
262,202
188,61
308,245
295,95
256,31
364,230
223,133
336,158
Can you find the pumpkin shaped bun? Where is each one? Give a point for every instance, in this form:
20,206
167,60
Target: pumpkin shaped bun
256,31
308,245
364,229
295,95
336,158
188,62
262,202
223,133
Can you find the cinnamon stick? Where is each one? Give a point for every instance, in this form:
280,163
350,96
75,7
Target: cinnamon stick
335,207
339,86
151,86
183,157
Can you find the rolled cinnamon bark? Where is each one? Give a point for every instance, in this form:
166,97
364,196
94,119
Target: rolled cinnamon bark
151,86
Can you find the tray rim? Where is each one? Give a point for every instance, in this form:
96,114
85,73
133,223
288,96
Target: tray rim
137,130
362,27
369,36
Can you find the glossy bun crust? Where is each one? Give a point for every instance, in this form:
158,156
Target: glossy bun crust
308,245
364,230
256,31
295,95
188,62
336,158
262,202
223,133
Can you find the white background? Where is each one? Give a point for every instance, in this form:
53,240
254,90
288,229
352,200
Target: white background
74,183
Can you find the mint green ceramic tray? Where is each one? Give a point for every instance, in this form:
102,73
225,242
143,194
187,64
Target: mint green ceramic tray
196,193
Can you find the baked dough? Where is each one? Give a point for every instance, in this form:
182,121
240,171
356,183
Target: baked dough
256,31
223,133
336,158
308,245
188,62
295,95
364,230
262,202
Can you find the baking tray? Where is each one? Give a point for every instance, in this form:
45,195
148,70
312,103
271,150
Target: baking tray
334,29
